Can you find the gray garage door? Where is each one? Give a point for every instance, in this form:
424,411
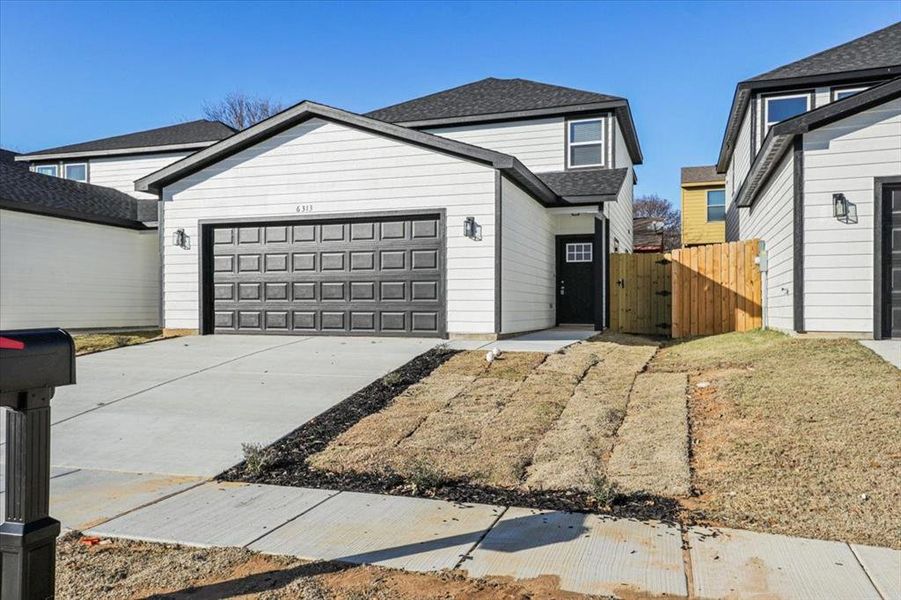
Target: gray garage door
362,276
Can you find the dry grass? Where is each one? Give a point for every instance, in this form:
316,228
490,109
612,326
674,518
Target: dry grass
795,436
573,453
522,422
120,570
97,342
651,453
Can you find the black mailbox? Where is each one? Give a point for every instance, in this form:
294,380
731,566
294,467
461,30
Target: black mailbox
33,363
35,358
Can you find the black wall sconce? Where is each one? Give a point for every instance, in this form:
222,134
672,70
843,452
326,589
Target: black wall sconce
471,229
843,210
181,239
839,206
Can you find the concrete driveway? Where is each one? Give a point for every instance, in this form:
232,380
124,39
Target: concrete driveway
147,421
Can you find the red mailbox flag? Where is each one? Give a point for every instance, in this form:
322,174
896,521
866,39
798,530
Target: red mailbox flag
11,344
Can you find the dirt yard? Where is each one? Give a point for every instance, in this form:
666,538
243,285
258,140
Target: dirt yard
88,343
793,436
120,570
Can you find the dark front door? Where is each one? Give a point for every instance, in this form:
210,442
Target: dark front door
575,278
891,261
364,276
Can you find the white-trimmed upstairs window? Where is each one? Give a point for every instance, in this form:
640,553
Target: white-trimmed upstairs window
842,93
579,252
716,205
585,143
76,172
780,108
52,170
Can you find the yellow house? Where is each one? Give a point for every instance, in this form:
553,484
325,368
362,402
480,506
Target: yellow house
703,206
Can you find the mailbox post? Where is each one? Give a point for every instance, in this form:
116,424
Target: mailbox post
32,364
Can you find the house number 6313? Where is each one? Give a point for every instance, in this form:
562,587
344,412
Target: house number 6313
304,208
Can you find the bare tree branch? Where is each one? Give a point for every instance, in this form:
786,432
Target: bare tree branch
240,110
654,206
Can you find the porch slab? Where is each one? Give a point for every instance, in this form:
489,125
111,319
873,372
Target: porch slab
889,350
590,554
547,340
391,531
729,563
883,565
215,514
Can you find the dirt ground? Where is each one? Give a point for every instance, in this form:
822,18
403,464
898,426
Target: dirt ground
793,436
528,420
120,570
97,342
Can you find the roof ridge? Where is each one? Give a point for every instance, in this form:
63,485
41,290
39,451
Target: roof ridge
418,98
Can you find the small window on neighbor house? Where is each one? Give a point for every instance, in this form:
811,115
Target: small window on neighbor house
585,143
52,170
780,108
578,252
716,205
77,172
842,94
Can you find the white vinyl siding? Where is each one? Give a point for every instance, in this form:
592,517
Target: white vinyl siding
771,220
620,215
738,168
537,143
337,169
64,273
120,172
845,157
528,262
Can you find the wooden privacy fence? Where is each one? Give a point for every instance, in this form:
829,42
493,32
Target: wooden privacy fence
702,290
640,293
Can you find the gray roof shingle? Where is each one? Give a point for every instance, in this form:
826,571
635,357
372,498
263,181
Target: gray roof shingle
24,190
487,96
878,49
585,182
8,157
701,174
192,132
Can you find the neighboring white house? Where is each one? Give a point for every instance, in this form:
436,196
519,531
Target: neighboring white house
118,161
482,211
75,255
79,247
812,157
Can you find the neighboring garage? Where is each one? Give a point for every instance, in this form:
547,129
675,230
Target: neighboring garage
373,275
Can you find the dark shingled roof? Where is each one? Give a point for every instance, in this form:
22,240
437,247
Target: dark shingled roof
867,59
24,190
585,182
487,96
878,49
184,133
8,157
701,174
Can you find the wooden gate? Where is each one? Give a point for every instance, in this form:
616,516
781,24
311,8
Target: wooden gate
702,290
640,293
716,288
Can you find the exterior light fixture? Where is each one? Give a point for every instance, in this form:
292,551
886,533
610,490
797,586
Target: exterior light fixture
181,239
839,206
471,229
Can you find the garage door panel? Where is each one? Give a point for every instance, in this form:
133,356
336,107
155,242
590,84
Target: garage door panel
374,276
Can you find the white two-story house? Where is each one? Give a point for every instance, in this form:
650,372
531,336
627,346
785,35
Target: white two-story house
812,159
79,247
480,211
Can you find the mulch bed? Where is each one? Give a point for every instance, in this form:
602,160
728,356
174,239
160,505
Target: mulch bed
285,461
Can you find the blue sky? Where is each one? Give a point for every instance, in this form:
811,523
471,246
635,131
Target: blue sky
74,71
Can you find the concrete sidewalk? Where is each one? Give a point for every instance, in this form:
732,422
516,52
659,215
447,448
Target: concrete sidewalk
590,554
